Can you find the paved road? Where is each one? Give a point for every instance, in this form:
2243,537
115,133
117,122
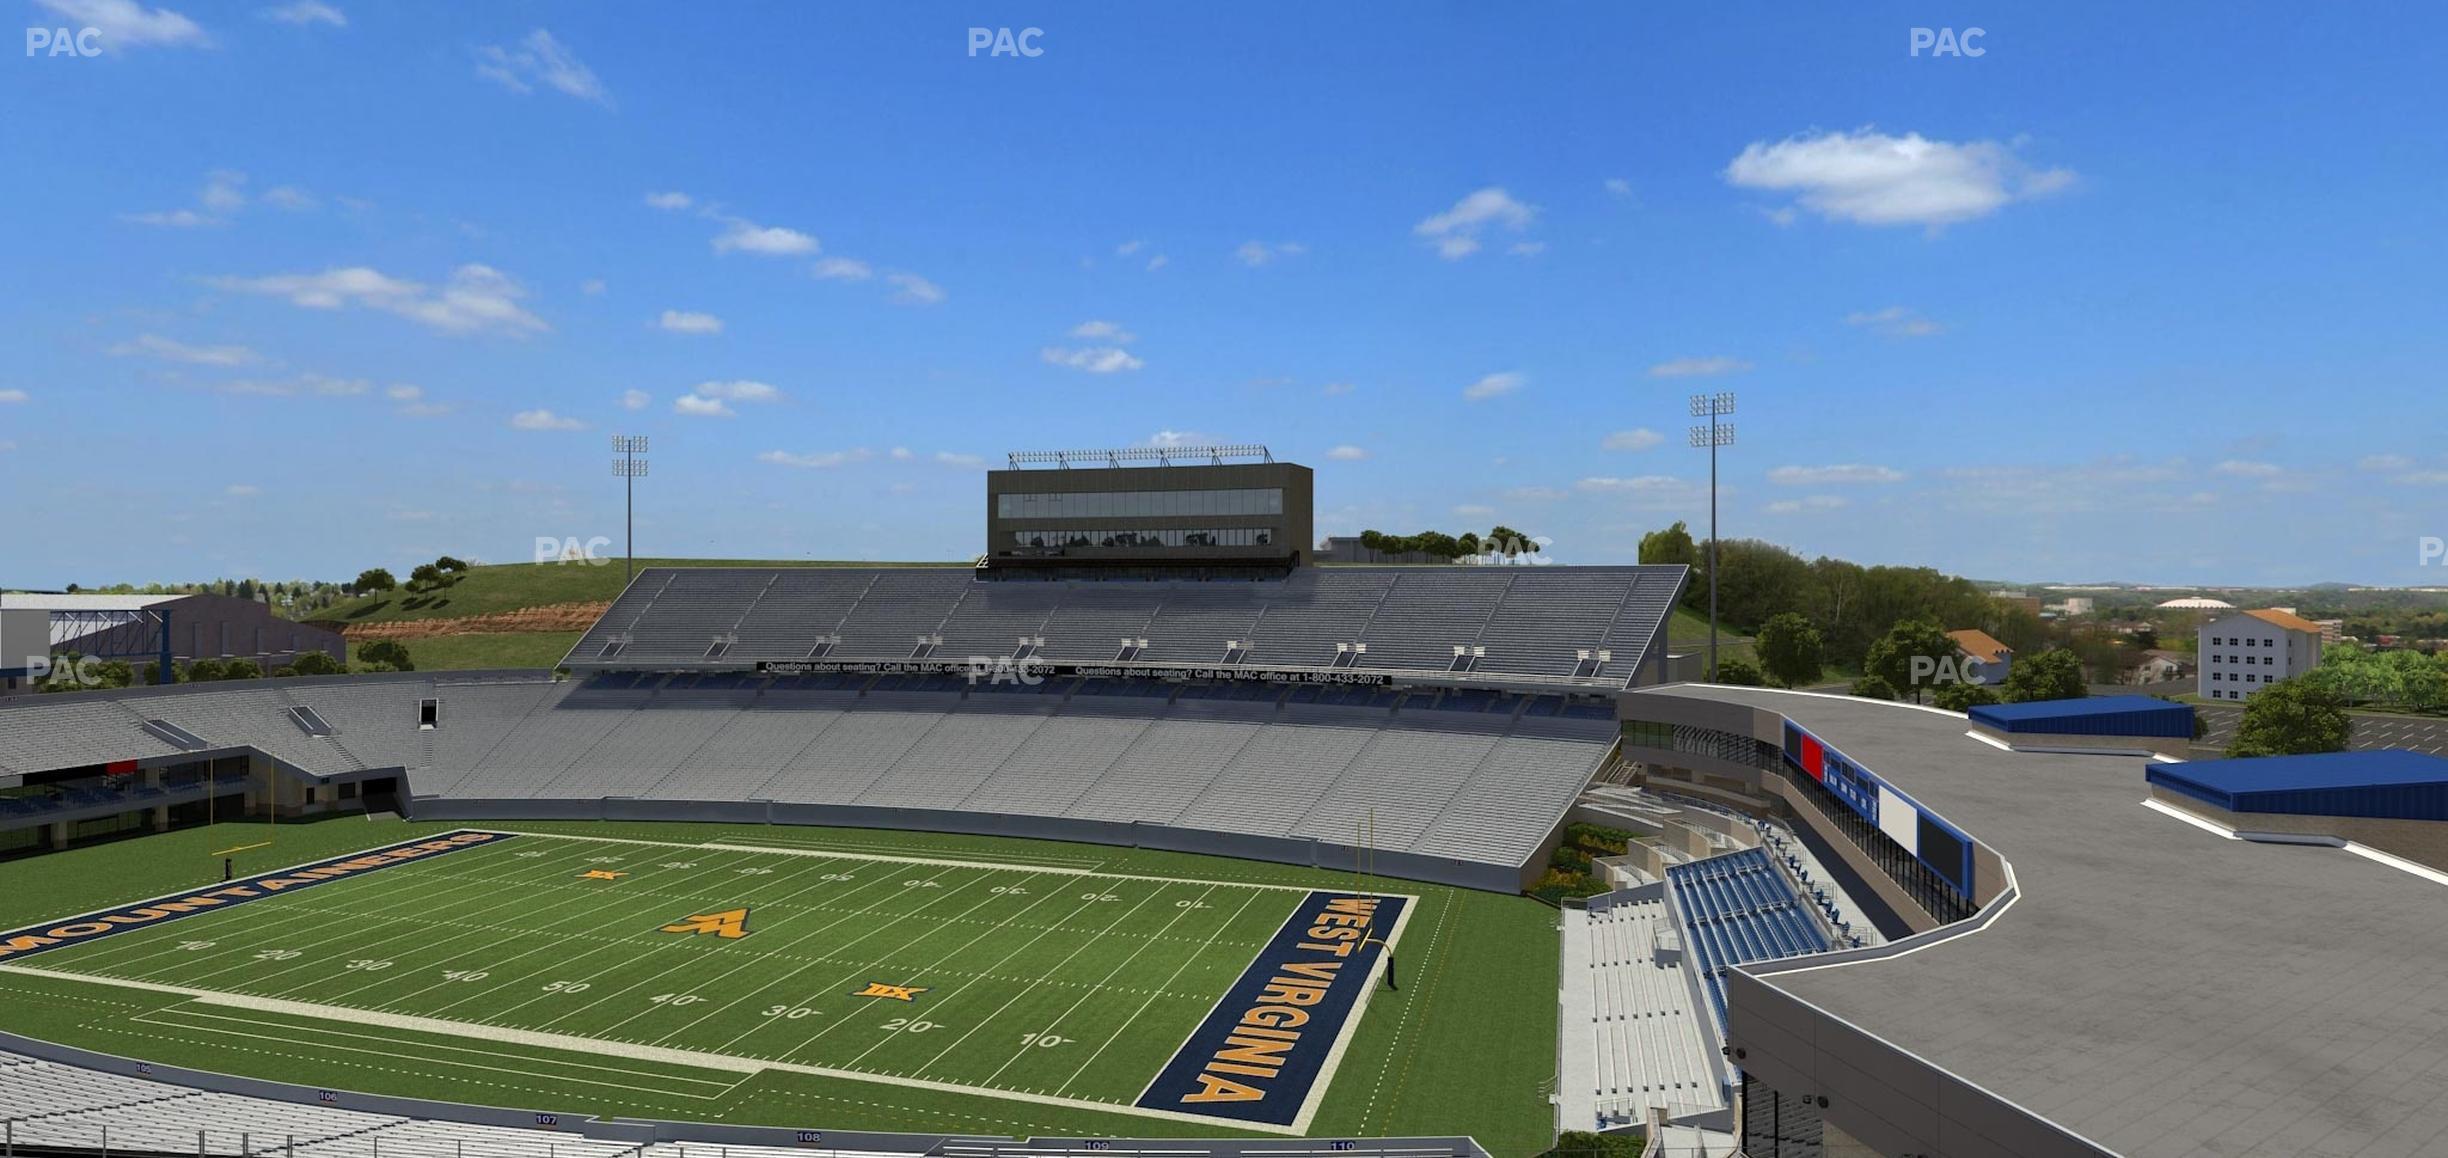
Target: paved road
2421,734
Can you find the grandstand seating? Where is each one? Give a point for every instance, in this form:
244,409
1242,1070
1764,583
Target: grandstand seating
1738,908
1647,1045
1532,621
53,1108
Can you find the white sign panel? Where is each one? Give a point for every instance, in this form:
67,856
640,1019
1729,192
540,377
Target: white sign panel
1899,820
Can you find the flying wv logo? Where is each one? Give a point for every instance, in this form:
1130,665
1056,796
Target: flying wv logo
730,924
893,992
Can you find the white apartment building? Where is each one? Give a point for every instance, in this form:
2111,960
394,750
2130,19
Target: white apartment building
2244,651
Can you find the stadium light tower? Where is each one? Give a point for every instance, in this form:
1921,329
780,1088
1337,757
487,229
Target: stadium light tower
629,468
1712,436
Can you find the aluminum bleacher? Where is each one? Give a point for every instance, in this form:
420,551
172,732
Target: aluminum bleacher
1635,1041
1738,908
1531,622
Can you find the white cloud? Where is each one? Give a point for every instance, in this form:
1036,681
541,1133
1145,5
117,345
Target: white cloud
127,24
842,269
539,59
307,12
1158,262
11,397
172,219
1871,178
1258,253
1526,248
1128,248
1619,186
741,235
672,200
592,287
1183,438
302,386
1093,359
1337,389
412,402
543,420
1807,503
476,299
1641,438
902,454
1495,385
1841,474
1455,232
635,400
2240,468
702,407
960,461
909,289
290,197
154,346
1713,367
1895,322
1348,453
687,322
1104,332
242,490
224,191
741,390
2384,462
824,460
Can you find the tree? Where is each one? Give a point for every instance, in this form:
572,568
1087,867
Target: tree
386,651
1789,649
1963,697
314,663
426,577
205,671
1891,658
452,564
1741,673
241,669
2050,675
374,579
1672,545
2290,718
1871,687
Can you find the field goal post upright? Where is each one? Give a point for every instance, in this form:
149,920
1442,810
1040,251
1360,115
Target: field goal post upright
1364,869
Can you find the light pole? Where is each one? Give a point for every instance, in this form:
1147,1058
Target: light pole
1712,436
629,468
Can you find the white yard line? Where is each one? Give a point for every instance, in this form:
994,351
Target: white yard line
677,1057
1187,962
984,864
1099,987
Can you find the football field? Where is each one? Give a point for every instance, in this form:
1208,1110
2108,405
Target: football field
689,968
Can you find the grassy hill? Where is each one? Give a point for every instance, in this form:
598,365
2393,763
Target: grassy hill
508,615
510,587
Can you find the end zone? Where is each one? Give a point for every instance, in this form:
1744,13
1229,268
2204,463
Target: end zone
1268,1049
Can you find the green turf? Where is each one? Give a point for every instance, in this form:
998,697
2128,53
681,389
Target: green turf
1010,952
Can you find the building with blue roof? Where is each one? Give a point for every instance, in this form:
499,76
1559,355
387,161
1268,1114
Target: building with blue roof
2381,784
2141,725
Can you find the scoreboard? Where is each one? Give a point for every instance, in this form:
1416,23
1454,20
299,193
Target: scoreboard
1938,845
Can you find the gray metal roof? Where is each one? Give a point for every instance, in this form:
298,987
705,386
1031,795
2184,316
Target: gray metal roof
2156,988
23,601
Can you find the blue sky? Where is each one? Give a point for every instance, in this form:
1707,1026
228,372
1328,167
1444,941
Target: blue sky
2145,292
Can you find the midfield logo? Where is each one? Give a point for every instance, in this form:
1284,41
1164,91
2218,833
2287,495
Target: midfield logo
895,992
730,924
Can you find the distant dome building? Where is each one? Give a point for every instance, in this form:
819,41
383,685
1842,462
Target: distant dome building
2195,603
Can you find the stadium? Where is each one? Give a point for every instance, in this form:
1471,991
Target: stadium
1147,834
